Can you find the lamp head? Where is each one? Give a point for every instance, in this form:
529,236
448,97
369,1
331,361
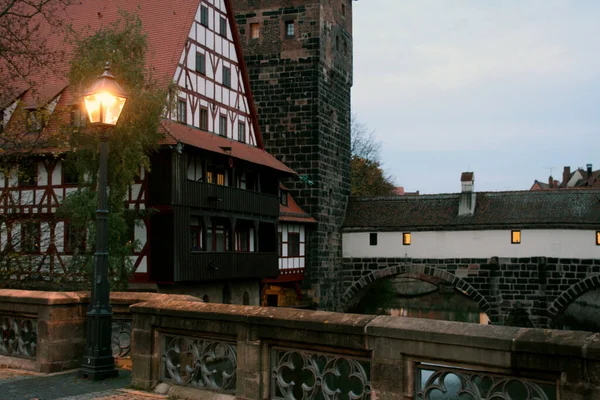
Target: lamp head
104,100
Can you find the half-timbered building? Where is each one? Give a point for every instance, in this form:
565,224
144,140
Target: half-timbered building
213,190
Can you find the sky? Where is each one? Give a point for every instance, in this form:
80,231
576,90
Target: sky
508,89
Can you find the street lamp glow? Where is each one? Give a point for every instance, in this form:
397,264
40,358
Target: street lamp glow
104,100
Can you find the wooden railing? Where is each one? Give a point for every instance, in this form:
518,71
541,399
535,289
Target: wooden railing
205,266
218,197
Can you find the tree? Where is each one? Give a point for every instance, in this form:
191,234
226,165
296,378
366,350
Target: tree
122,43
24,27
367,176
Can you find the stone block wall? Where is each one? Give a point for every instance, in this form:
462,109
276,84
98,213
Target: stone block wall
301,86
384,353
542,287
53,323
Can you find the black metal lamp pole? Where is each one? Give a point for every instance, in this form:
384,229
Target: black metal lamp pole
104,103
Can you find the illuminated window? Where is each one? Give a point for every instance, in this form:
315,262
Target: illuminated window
209,177
515,237
254,31
406,239
598,238
220,178
289,29
373,239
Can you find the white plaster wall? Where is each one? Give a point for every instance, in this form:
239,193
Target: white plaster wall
562,243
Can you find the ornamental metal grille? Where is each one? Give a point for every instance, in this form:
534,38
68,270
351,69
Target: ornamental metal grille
198,362
121,338
435,382
301,374
19,336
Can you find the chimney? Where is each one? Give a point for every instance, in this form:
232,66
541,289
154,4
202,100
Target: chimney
589,170
466,205
550,182
566,176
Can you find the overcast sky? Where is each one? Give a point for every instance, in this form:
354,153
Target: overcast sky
507,89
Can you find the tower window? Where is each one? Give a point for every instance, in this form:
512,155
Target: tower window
406,238
204,15
515,237
226,76
201,63
373,239
254,31
289,29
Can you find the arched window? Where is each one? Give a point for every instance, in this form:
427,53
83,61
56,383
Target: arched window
246,299
226,294
206,299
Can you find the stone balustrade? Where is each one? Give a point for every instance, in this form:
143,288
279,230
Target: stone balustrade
247,352
45,331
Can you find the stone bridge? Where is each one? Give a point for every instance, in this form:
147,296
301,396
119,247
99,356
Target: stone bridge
544,287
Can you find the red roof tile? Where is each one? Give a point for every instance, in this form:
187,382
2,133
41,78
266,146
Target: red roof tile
293,212
466,177
175,132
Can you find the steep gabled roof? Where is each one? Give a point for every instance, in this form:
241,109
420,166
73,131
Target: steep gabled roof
493,210
166,24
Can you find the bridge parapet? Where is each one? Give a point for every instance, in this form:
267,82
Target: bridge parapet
269,353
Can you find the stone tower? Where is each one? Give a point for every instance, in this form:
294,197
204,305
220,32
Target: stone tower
299,59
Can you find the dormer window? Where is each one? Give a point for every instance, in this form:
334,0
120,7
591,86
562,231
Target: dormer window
34,120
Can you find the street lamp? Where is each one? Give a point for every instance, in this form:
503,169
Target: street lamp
104,102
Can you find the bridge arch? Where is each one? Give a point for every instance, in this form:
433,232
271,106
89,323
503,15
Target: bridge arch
423,272
566,298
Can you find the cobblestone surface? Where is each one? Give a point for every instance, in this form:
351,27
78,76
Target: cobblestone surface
24,385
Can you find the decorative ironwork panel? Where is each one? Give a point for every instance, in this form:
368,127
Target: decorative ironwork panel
301,374
19,336
121,338
204,363
435,382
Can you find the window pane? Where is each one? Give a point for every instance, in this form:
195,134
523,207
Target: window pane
181,111
223,30
223,125
204,119
293,245
289,28
241,132
254,31
226,76
373,239
201,63
204,15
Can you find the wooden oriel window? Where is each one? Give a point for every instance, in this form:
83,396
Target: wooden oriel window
406,238
181,111
204,15
201,63
223,27
203,118
515,237
227,76
373,238
293,244
254,31
222,125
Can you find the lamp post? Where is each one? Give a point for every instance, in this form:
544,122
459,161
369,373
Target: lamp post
104,102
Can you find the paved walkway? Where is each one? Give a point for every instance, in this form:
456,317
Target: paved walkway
25,385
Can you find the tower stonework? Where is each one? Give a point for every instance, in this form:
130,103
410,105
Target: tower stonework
299,59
